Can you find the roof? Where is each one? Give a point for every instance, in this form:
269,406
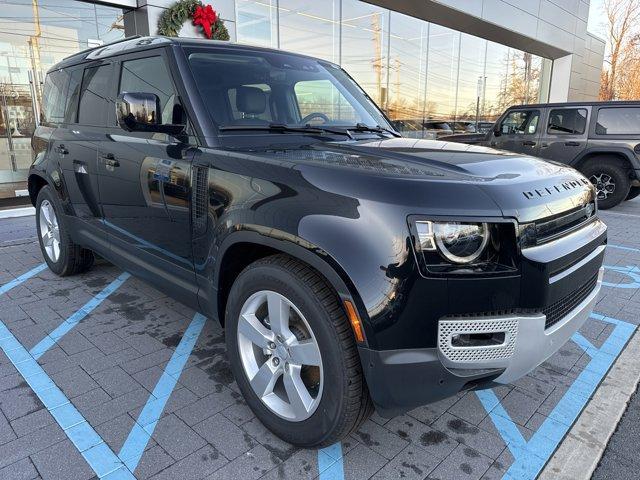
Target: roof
577,104
139,43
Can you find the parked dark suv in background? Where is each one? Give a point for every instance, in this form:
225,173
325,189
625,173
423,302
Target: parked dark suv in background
600,139
351,268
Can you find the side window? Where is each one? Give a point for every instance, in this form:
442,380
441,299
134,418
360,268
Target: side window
618,121
150,75
520,122
321,96
567,121
54,97
94,95
73,94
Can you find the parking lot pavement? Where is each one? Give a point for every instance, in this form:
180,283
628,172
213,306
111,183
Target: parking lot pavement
101,375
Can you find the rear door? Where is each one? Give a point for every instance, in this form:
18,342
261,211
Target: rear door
74,146
565,135
519,132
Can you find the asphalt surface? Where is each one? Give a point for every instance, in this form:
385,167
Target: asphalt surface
120,356
621,458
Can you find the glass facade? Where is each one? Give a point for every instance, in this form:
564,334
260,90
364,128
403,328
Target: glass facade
35,35
423,75
429,79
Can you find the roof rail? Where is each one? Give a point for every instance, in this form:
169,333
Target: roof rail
87,50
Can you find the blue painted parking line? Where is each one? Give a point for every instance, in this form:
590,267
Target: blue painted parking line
50,340
531,456
622,247
102,460
133,448
630,270
331,462
25,276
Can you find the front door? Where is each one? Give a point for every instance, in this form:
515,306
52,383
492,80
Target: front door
518,132
565,135
144,182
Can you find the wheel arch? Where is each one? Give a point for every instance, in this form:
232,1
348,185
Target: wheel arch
241,249
620,154
35,182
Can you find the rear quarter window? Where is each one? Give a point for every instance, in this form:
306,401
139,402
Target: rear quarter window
618,121
54,97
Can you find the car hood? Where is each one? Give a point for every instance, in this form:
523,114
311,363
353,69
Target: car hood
522,187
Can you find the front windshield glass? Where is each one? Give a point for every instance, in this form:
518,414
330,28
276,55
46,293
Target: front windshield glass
244,89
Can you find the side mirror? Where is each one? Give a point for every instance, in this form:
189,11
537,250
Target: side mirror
141,112
496,130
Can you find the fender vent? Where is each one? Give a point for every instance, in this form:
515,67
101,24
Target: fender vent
200,193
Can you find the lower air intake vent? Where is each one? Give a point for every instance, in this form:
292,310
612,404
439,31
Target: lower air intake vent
479,339
199,204
558,310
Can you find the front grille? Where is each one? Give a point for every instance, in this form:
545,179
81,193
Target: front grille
548,229
558,310
447,328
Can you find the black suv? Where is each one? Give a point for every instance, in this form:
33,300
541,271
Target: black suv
351,268
601,139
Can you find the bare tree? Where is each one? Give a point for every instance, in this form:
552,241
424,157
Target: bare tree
622,17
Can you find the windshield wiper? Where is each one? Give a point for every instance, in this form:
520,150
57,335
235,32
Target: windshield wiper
281,127
361,127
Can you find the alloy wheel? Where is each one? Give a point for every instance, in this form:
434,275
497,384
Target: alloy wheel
605,185
49,231
280,355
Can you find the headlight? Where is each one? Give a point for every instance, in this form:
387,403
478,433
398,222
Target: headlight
458,242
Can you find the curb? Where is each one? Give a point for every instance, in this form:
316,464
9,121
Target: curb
581,450
17,212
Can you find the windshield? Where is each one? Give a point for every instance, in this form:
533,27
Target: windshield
247,89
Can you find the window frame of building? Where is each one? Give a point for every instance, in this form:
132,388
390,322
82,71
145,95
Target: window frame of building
559,131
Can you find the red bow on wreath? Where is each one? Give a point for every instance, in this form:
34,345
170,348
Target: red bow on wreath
205,16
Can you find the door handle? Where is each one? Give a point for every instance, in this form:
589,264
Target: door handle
572,144
62,150
529,143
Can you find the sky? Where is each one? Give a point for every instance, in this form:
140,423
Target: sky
596,19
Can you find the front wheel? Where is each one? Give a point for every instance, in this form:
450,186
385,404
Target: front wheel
611,180
293,354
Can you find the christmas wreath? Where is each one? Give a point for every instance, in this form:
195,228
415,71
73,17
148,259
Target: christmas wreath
173,18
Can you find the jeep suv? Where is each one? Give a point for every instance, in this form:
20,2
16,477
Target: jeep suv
351,268
600,139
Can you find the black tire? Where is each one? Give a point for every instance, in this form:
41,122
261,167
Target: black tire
633,193
345,402
73,258
616,171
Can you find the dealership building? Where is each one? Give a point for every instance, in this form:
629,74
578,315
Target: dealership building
440,60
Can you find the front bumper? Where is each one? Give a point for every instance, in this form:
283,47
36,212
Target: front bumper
528,340
400,380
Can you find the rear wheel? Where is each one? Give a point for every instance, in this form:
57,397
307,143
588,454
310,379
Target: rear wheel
633,193
62,255
293,354
611,179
